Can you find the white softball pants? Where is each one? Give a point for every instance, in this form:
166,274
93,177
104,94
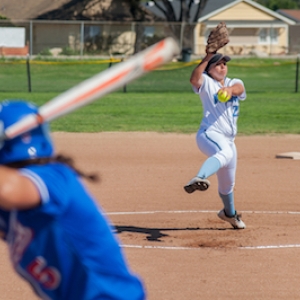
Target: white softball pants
214,144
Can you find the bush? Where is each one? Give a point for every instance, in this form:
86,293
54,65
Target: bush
45,52
69,51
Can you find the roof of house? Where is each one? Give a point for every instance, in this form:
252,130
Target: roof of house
32,9
214,7
106,10
209,7
69,10
254,4
29,9
293,14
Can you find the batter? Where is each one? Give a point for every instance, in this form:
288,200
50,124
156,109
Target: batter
59,240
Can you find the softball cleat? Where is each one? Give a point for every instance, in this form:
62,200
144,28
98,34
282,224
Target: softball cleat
197,183
235,221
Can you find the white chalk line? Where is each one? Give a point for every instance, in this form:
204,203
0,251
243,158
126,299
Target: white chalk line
217,248
197,211
206,211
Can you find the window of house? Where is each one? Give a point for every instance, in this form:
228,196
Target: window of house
268,35
263,36
274,35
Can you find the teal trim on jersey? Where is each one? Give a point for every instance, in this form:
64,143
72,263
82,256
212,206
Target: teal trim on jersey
228,201
209,167
216,100
236,108
212,141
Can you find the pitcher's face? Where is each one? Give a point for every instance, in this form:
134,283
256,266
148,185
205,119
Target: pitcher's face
219,70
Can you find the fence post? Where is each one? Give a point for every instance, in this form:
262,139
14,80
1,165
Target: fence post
81,39
30,37
297,73
182,25
28,73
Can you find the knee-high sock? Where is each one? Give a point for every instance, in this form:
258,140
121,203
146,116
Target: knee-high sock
209,167
228,201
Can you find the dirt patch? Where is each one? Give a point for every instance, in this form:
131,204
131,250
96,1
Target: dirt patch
174,240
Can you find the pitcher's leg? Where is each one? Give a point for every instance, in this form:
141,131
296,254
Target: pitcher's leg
209,167
226,182
228,202
216,147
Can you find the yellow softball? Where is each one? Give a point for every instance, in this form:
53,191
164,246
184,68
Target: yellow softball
223,96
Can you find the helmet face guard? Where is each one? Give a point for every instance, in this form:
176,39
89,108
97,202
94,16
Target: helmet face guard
35,143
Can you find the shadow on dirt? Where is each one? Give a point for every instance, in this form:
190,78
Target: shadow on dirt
154,234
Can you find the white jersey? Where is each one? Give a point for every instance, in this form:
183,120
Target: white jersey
219,116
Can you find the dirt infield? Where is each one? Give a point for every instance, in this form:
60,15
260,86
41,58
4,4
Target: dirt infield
174,240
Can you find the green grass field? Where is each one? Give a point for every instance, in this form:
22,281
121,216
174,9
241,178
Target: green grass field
162,100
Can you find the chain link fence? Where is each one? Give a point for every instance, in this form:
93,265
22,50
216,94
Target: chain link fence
294,39
103,42
79,38
102,38
259,75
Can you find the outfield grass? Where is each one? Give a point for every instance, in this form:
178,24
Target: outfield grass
162,101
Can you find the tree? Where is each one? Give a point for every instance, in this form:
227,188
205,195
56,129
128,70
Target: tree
181,12
139,16
104,10
280,4
168,8
181,15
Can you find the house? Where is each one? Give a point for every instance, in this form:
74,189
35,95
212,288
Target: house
29,9
293,14
294,36
76,26
254,29
22,11
99,10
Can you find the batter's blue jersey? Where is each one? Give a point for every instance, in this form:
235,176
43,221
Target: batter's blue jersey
65,247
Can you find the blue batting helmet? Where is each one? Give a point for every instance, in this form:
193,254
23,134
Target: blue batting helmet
35,143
